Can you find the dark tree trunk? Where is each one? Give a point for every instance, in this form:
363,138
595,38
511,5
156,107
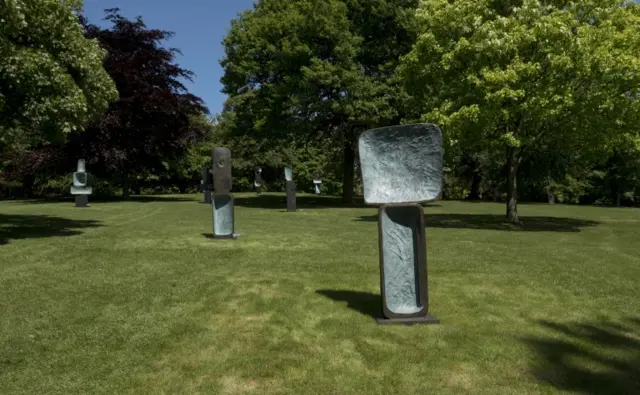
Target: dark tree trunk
474,194
618,198
512,185
28,183
126,184
348,171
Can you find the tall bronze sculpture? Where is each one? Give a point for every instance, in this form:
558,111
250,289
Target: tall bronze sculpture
223,209
402,166
206,183
291,189
81,187
257,179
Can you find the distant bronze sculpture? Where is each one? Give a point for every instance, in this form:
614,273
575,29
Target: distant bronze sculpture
223,209
206,183
81,187
257,179
402,166
317,181
291,189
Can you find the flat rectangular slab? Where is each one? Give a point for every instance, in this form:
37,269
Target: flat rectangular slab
401,164
81,190
403,264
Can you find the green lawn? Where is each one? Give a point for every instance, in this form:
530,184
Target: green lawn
133,298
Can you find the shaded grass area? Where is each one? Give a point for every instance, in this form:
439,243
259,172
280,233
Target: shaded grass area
131,298
591,357
497,222
37,226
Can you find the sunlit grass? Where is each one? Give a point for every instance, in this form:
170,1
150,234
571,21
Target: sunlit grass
133,298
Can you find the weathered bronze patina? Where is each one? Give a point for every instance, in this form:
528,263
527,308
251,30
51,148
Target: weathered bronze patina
401,167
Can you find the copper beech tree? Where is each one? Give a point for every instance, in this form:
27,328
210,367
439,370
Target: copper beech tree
155,120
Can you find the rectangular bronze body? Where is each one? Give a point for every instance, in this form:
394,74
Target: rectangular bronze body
403,264
291,196
223,216
222,181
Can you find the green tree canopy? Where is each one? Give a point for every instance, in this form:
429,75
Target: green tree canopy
52,80
302,69
516,75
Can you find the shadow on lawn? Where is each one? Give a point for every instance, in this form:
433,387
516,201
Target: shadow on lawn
275,201
590,358
107,199
38,226
497,222
363,302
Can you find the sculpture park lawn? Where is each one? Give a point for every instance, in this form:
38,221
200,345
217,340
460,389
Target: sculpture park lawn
132,298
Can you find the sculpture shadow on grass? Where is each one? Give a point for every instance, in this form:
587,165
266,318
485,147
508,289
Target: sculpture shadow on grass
365,303
498,222
279,201
600,358
108,199
15,227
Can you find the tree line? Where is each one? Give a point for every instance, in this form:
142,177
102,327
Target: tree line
537,99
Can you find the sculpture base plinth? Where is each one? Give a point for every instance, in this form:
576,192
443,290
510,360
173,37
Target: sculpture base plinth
428,319
82,200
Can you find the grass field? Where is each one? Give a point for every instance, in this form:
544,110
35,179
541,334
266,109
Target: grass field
133,298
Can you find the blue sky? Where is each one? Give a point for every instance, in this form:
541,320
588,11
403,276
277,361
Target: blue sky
199,27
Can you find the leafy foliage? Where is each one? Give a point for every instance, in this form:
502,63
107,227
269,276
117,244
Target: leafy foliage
152,122
514,75
52,81
316,69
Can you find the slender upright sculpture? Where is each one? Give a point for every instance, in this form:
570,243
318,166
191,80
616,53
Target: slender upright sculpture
81,187
206,183
223,210
317,181
257,181
402,166
291,189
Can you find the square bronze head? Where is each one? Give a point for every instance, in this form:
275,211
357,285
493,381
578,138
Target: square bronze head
401,164
222,170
